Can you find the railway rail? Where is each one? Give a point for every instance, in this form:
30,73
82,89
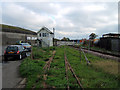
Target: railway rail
100,54
88,62
106,53
81,50
67,64
67,67
45,68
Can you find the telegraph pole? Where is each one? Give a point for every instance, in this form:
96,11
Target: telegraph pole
53,35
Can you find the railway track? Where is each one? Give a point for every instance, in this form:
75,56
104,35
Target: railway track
69,74
67,65
100,54
47,65
46,68
103,52
87,61
81,50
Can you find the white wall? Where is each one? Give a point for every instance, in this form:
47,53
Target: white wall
59,43
48,39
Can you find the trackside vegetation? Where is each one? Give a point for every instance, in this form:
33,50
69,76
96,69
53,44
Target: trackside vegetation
101,73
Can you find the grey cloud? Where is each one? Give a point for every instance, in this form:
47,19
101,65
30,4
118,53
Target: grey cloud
107,29
77,16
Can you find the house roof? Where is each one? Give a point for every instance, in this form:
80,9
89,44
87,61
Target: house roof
44,28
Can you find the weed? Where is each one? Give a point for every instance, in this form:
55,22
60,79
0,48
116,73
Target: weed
101,74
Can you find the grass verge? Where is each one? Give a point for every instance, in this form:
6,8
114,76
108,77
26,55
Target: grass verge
102,73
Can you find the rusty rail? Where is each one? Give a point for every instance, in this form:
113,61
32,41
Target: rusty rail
46,67
73,71
66,70
88,62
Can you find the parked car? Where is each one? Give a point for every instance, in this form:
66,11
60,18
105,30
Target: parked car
16,51
26,46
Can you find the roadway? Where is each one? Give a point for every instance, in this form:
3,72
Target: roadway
10,72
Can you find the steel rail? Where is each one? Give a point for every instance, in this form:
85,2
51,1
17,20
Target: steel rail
73,72
46,67
88,62
66,70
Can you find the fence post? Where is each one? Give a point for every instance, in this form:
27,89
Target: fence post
80,52
31,53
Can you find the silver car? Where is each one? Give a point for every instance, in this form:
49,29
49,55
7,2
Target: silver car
26,46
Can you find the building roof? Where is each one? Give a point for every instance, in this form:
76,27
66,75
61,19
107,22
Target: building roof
14,29
44,28
111,35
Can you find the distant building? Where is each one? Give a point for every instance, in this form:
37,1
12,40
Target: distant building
113,35
110,41
45,37
12,35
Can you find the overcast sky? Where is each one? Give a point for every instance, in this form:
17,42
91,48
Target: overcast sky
75,20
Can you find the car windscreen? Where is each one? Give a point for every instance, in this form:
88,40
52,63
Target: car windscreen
11,48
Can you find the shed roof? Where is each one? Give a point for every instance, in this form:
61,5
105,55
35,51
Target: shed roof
44,28
111,35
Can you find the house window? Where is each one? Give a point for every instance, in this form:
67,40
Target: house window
43,34
40,34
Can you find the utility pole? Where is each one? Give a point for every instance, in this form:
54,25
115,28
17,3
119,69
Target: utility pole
53,36
89,43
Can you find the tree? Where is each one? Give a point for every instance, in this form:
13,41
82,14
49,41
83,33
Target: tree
92,36
65,39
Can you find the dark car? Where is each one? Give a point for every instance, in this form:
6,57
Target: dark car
16,51
26,46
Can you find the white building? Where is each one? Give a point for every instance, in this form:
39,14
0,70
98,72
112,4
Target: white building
45,37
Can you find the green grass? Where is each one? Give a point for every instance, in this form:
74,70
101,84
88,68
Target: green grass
41,53
96,75
91,77
33,69
99,49
56,74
